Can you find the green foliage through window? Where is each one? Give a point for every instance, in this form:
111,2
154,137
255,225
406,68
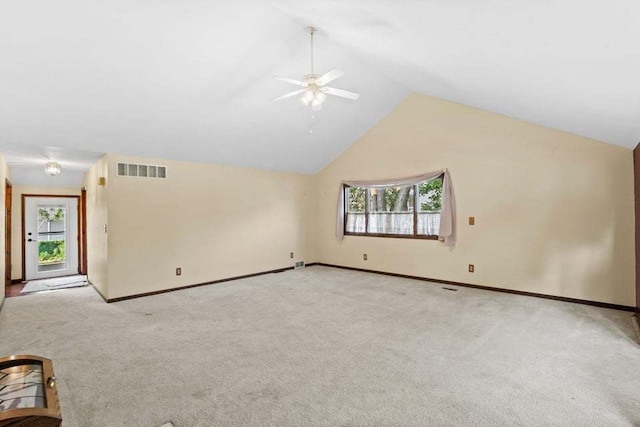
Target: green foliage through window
50,214
357,199
51,251
433,190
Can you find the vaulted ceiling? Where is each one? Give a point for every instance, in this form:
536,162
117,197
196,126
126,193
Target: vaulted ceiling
192,79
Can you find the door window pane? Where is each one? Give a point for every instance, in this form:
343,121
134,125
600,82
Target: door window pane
51,237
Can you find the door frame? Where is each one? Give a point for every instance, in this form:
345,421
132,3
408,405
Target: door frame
636,193
8,197
80,239
83,231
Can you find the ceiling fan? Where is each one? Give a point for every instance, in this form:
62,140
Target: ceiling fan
313,86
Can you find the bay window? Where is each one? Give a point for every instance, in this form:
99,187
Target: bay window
410,211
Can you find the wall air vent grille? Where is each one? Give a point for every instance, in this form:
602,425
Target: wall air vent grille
141,171
298,264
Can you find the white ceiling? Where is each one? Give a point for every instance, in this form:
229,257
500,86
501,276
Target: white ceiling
27,164
192,79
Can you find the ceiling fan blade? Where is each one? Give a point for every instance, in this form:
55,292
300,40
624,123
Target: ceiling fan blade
329,77
289,95
288,80
341,93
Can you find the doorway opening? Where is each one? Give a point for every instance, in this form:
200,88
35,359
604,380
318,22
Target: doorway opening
53,242
52,237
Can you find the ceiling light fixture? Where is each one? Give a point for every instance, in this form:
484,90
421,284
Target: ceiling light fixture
52,168
314,92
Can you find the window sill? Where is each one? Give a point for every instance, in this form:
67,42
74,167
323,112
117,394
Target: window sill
396,236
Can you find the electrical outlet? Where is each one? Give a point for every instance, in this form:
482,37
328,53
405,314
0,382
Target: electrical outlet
291,255
178,271
472,268
364,257
472,220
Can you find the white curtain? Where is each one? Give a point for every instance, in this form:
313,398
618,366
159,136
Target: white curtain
447,215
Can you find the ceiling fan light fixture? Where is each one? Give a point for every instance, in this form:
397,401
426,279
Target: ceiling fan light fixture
52,168
307,97
313,90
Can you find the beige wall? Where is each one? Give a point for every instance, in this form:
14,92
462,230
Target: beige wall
97,219
554,211
212,221
16,225
4,174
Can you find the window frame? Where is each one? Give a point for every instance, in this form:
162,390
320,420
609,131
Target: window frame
366,215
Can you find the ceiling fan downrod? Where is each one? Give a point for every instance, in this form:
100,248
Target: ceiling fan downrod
311,31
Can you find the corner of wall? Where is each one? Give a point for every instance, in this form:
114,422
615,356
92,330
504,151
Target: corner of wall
97,226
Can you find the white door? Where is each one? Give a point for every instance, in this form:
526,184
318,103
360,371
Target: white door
51,237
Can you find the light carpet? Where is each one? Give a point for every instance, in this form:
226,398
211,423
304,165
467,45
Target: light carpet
329,347
54,283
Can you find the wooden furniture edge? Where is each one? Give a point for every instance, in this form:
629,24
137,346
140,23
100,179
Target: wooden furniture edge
52,411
